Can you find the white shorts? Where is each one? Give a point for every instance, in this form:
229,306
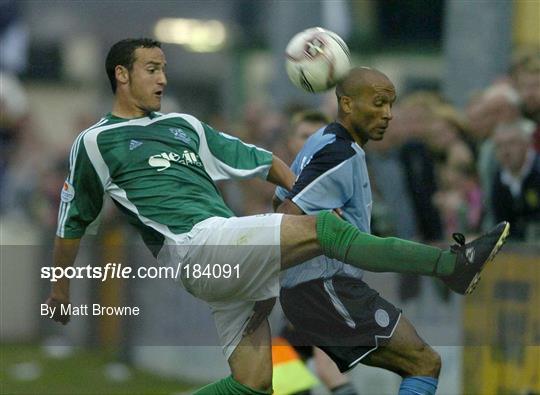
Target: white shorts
248,248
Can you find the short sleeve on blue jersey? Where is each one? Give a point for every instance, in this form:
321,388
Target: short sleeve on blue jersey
326,182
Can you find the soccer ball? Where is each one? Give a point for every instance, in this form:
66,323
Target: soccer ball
317,59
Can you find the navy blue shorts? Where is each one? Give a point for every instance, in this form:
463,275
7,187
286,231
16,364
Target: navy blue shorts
343,316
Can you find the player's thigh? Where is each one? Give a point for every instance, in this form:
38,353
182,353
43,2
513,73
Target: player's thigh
406,353
298,240
239,238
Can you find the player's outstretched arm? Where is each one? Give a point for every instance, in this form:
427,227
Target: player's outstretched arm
280,174
65,252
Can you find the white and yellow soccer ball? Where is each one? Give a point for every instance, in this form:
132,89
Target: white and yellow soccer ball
317,59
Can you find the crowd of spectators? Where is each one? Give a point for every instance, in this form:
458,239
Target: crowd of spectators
464,171
439,169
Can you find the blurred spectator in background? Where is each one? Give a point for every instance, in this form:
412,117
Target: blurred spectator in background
303,124
526,77
516,187
14,38
459,197
419,164
446,133
270,129
261,125
498,103
393,211
329,105
13,134
264,127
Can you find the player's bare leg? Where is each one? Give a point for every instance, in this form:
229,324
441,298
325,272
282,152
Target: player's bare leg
251,361
251,366
298,240
327,370
409,356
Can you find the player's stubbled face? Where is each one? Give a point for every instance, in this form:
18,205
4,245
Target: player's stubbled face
147,79
371,109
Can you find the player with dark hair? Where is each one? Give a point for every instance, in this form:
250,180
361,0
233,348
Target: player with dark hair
325,299
160,170
123,54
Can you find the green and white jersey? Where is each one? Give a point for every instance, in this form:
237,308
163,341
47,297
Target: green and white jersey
159,169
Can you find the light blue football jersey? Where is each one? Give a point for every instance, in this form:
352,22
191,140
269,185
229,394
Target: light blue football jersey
331,173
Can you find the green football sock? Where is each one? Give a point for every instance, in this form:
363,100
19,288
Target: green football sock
341,240
228,386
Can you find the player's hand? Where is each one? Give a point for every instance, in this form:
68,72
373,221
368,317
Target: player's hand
56,304
261,311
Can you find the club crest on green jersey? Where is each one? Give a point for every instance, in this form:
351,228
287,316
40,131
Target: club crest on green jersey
163,161
179,134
